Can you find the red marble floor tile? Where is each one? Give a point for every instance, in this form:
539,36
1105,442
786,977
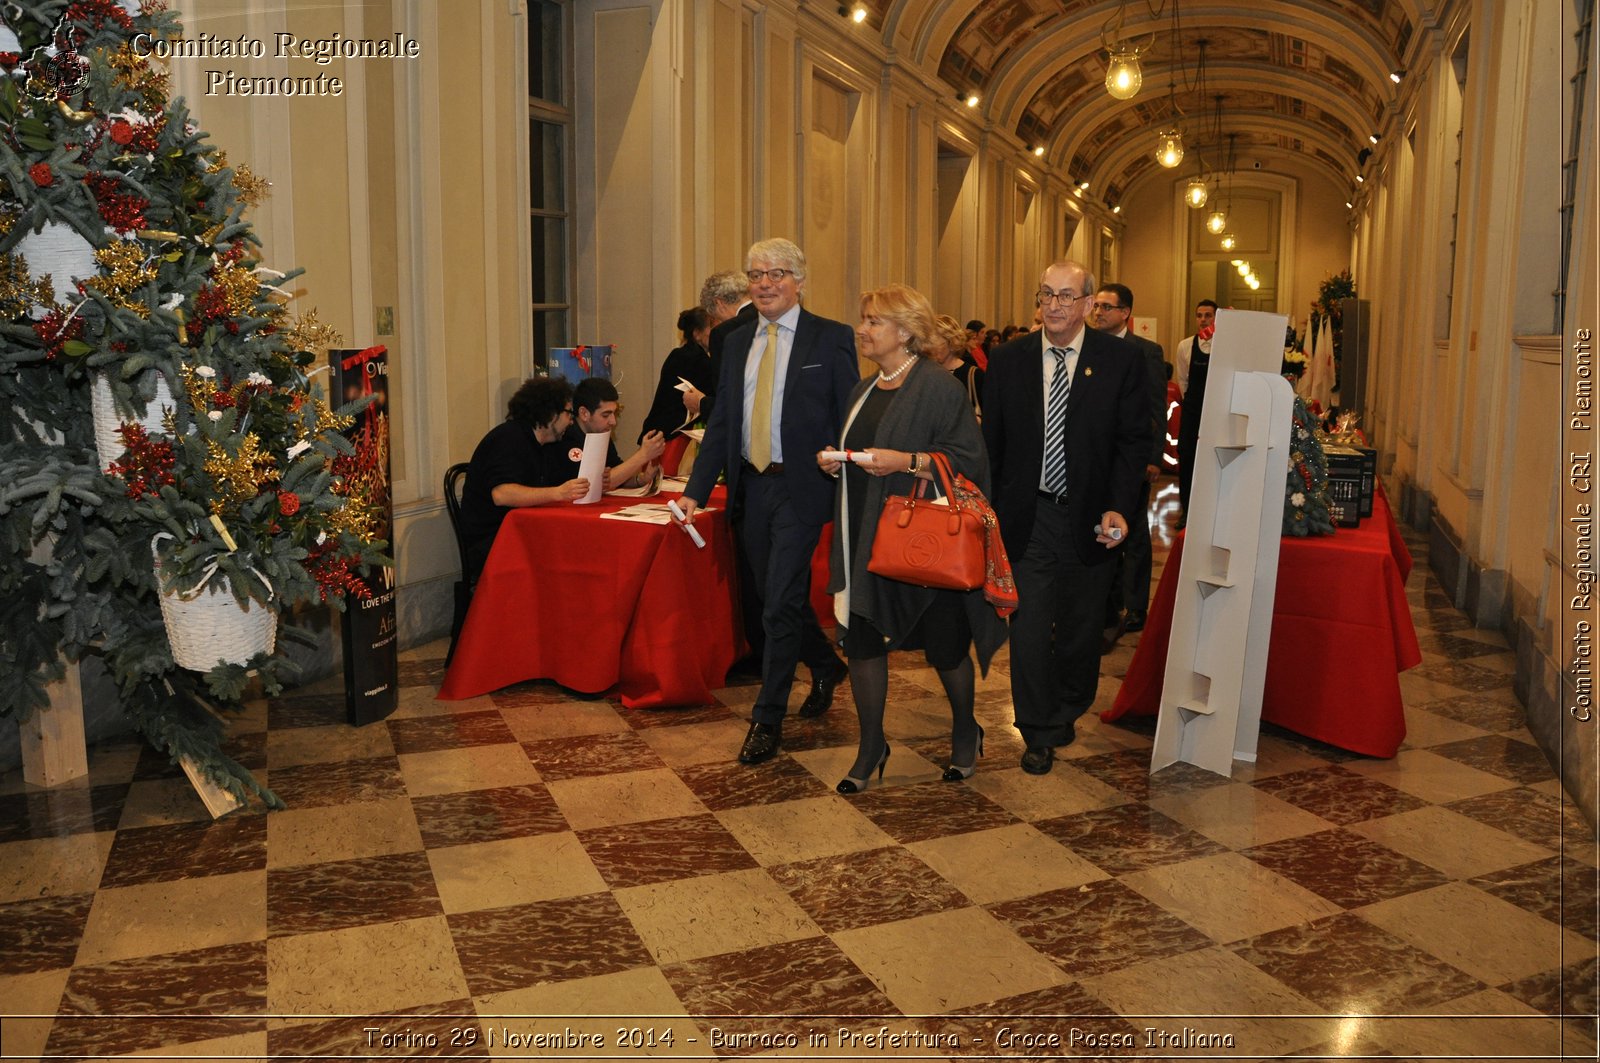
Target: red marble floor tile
866,888
549,941
174,851
344,893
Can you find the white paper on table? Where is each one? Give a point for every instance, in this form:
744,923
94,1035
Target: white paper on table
593,466
645,513
642,491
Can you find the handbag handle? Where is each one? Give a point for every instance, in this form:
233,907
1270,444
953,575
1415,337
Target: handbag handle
945,478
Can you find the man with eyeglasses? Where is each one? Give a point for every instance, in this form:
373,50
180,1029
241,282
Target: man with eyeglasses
785,378
521,462
1111,312
1066,420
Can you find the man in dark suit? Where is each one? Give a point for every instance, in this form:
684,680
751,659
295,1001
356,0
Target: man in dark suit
1067,422
1110,312
780,398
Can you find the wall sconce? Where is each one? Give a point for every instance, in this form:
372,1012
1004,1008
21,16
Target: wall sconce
1169,147
970,99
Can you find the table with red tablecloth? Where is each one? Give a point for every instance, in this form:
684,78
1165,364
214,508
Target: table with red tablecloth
1341,636
596,604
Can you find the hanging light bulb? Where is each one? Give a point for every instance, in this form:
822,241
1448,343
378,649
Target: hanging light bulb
1228,241
1197,193
1169,147
1243,266
1216,221
1253,281
1123,76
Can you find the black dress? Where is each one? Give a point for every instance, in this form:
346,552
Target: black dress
692,363
1194,403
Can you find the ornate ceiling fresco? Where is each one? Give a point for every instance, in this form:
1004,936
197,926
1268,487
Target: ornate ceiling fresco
1304,76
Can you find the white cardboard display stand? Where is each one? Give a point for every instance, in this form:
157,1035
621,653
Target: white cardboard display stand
1211,696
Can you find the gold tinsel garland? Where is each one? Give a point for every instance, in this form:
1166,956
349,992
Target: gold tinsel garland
19,292
309,334
126,269
252,189
238,477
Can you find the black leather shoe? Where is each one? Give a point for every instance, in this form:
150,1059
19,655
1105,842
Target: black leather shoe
760,743
1133,622
820,700
1038,760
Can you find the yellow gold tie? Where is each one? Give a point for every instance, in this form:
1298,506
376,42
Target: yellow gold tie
761,408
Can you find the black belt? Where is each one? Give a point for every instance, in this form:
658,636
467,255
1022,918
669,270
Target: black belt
771,470
1058,497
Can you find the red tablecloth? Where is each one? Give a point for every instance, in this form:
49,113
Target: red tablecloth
595,604
1341,636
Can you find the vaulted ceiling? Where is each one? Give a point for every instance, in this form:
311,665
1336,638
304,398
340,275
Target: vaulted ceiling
1310,77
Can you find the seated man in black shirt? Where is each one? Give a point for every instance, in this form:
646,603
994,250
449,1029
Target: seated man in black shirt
521,462
594,402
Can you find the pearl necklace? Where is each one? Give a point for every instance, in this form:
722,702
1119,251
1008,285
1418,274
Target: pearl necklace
884,378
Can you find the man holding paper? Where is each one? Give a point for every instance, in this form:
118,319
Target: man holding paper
594,402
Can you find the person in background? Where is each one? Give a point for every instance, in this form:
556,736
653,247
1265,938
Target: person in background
947,346
976,353
522,461
725,297
906,410
1111,311
1067,422
690,361
1190,364
780,397
594,401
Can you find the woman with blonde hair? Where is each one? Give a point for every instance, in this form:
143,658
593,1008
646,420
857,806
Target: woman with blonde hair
949,349
909,408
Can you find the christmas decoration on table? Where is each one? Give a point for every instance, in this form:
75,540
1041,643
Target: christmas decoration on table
1305,495
127,267
1339,428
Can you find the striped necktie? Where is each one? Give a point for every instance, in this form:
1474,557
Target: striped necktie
1055,421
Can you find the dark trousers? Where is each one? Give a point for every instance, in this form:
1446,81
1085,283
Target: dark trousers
1130,590
1055,632
778,545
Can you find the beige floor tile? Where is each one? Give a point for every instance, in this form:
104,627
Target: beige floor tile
1416,690
341,832
1005,863
415,702
562,720
1503,663
324,745
1504,944
642,994
1205,983
1427,775
364,970
696,743
29,994
157,802
1274,756
53,867
163,917
791,831
1459,846
1239,815
911,960
1063,792
1483,1025
1425,729
694,917
832,763
449,771
498,874
1228,896
110,766
630,797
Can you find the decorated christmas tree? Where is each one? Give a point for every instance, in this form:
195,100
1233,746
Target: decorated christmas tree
1305,494
161,447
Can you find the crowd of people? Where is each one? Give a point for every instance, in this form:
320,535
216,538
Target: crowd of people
1061,426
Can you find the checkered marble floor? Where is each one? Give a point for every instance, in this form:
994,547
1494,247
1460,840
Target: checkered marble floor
518,875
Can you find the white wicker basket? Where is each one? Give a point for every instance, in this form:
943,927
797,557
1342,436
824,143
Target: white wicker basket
108,420
57,252
210,626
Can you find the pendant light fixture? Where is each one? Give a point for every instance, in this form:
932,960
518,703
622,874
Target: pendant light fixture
1124,78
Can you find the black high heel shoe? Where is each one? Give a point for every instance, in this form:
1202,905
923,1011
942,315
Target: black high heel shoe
851,785
957,773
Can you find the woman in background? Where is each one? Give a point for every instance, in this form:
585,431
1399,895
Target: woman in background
691,362
897,416
949,349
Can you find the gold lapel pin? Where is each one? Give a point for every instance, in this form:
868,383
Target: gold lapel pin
1088,370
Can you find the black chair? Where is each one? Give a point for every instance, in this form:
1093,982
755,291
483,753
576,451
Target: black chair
455,482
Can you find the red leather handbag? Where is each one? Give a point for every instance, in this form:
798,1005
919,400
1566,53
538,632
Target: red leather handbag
953,547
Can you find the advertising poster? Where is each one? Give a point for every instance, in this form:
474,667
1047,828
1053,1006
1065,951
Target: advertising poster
371,645
573,364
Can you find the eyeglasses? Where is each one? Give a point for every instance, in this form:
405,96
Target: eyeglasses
567,411
1065,298
774,275
1102,308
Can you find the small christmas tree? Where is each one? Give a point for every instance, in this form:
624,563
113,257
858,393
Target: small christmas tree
1305,494
130,291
